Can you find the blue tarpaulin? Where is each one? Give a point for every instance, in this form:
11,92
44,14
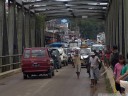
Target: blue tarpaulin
56,44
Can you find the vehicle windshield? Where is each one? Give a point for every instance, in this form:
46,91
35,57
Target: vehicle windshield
97,48
73,44
38,53
85,51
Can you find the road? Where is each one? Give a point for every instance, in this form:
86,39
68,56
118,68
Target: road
64,83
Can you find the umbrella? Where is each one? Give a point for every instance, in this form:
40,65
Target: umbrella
56,44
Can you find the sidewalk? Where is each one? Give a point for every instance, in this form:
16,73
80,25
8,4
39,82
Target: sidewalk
9,73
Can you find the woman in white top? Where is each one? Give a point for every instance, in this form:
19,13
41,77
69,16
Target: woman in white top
94,68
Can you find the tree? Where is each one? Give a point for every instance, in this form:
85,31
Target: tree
89,28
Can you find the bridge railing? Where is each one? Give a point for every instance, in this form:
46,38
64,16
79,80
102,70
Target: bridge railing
10,62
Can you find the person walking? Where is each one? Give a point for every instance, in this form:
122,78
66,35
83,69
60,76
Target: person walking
114,58
117,70
123,83
125,68
94,68
54,55
107,56
77,63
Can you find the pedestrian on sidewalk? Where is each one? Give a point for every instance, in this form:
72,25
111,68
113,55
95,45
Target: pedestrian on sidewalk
125,69
101,58
114,58
94,68
77,63
107,56
117,70
123,83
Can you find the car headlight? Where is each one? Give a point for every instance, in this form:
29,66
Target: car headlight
81,57
85,57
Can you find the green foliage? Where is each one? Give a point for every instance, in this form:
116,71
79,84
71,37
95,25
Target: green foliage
40,20
89,28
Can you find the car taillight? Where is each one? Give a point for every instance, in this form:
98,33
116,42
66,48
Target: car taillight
51,61
48,61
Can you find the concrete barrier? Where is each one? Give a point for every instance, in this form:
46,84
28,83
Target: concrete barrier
109,76
9,73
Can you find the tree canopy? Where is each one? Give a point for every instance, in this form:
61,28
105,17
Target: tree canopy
89,28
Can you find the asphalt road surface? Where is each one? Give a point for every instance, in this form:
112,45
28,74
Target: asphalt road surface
64,83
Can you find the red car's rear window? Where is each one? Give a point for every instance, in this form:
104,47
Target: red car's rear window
38,53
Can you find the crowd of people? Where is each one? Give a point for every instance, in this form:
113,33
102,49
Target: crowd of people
111,58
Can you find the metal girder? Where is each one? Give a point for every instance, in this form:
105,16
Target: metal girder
76,15
52,2
74,11
54,17
48,8
71,8
63,7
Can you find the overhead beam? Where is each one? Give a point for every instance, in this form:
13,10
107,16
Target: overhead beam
95,17
81,14
63,7
75,13
60,2
62,11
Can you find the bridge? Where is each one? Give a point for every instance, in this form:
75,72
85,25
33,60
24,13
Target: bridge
19,23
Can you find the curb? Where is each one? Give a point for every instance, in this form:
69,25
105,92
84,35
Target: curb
109,74
9,73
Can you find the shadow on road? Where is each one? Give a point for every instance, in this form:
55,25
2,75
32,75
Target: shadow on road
38,77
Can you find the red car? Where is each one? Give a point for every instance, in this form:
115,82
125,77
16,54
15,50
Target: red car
36,61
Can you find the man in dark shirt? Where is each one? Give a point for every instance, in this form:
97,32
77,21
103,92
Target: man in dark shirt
114,58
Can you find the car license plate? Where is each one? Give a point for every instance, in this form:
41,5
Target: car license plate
35,65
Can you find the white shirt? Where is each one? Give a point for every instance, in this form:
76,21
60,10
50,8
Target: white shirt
94,62
124,84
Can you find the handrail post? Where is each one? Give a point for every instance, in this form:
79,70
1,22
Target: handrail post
2,21
0,65
11,61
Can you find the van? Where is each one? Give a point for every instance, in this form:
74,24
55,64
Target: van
36,61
